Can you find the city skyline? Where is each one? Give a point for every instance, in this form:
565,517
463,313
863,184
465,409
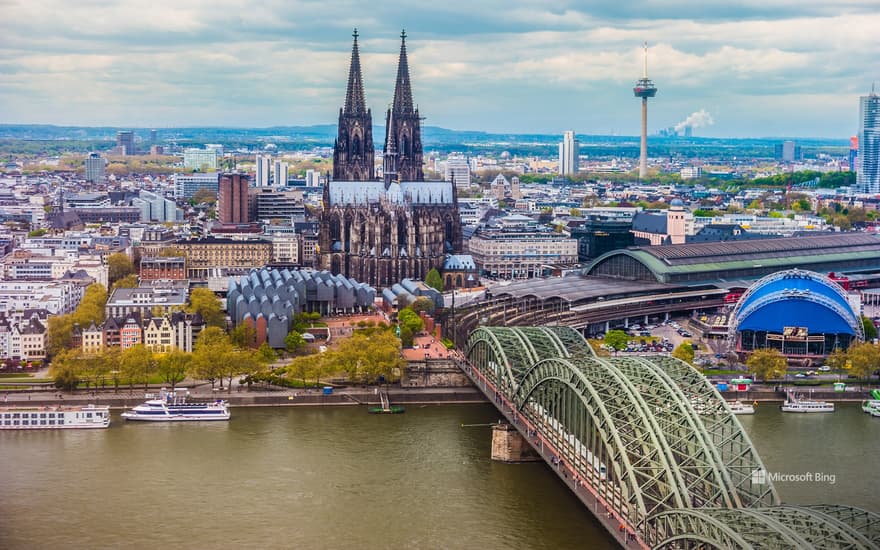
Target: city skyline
768,69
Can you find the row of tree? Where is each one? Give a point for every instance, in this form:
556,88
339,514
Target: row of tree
860,361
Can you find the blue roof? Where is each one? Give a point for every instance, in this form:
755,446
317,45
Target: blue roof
796,312
459,262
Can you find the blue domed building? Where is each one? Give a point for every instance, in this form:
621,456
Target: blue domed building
800,313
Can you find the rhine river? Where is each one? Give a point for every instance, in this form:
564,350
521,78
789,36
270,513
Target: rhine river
337,477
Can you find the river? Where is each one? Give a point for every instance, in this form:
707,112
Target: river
337,477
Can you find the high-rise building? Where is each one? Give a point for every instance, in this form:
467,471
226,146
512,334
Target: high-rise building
568,154
125,142
263,170
186,185
313,178
458,170
280,173
868,176
154,137
94,165
853,153
232,200
200,159
788,151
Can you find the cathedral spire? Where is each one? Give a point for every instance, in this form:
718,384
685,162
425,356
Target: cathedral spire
403,102
355,104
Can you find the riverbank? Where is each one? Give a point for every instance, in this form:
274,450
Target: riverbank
258,398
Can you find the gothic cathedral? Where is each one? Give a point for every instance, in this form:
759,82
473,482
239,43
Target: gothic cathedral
382,231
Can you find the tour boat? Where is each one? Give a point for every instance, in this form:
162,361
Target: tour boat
794,403
738,407
54,417
172,406
871,406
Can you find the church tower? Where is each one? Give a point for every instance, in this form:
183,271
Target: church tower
353,150
403,134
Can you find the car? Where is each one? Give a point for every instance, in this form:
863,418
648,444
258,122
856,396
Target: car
824,368
800,375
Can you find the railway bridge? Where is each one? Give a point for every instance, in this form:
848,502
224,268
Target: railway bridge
649,446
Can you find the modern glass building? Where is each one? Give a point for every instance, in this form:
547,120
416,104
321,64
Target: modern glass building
868,179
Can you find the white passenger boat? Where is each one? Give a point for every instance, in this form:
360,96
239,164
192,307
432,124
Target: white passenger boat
738,407
795,403
54,417
172,406
871,406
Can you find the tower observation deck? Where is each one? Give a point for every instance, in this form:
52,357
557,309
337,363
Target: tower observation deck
644,89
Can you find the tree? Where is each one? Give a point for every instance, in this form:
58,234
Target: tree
768,364
423,303
685,352
411,320
59,331
212,350
870,329
406,337
67,369
434,280
119,265
265,354
204,302
864,358
243,336
138,364
129,281
173,366
616,339
837,360
294,341
91,307
204,195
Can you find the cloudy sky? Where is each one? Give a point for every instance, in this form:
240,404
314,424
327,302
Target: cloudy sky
758,67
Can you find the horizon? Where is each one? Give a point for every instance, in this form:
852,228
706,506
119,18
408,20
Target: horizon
777,68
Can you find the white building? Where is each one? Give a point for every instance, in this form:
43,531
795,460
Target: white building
94,165
313,178
55,296
691,172
458,170
868,177
263,163
156,208
200,159
185,185
280,173
569,150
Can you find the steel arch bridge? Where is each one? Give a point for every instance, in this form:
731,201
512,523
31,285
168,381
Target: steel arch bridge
653,442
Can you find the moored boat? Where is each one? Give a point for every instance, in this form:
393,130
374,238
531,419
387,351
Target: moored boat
796,404
871,406
54,417
738,407
172,406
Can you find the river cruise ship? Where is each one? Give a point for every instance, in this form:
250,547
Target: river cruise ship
54,417
794,403
738,407
172,406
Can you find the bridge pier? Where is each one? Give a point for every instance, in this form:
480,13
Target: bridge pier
508,445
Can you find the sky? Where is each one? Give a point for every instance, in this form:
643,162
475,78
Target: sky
756,67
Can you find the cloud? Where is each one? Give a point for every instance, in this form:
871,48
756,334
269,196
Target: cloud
514,65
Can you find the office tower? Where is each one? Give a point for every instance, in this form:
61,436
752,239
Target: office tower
568,154
232,200
868,175
186,185
458,170
313,178
787,151
280,173
853,153
125,142
263,167
644,89
154,137
94,165
200,159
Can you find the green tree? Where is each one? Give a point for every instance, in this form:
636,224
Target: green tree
423,303
119,265
265,354
204,195
407,339
616,339
138,364
434,280
91,307
129,281
294,341
243,336
37,233
67,369
204,302
864,358
870,329
768,364
411,320
59,331
837,360
212,350
173,366
685,352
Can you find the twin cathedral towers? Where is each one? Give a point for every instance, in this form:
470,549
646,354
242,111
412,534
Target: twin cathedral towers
353,153
383,231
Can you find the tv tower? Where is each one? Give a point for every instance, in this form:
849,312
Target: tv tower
644,89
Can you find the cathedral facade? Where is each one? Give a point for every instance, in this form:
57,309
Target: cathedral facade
382,231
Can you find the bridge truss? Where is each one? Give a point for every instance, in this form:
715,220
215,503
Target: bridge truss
652,441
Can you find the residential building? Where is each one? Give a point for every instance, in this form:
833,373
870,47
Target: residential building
569,150
145,300
125,142
159,334
94,165
263,163
186,185
285,249
55,296
131,333
280,173
202,160
92,339
156,239
111,328
520,252
868,177
33,339
232,200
